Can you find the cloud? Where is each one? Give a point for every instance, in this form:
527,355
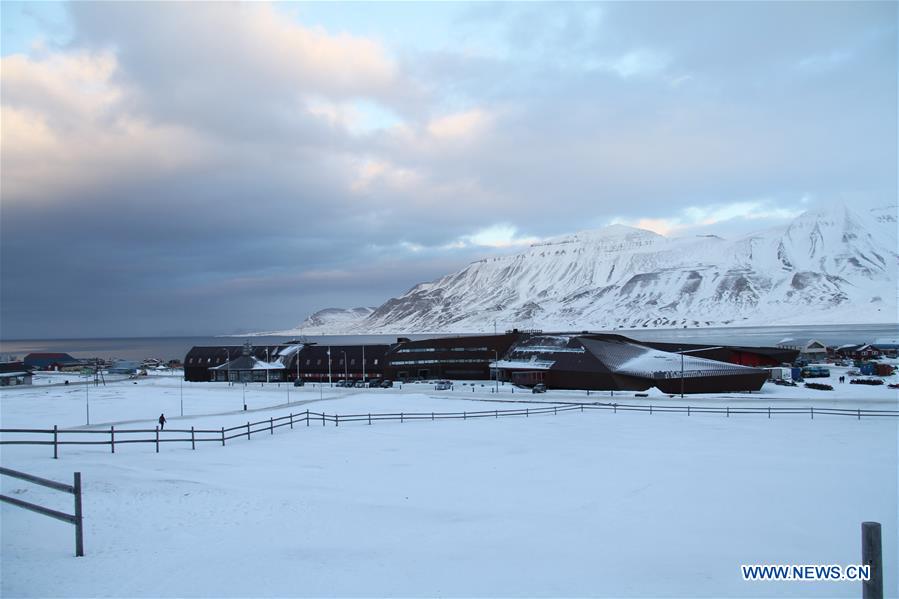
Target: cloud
261,164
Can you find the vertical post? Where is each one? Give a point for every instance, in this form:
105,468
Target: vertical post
401,417
323,418
112,438
193,439
79,521
650,409
614,408
728,411
769,412
859,414
555,411
464,416
432,415
527,412
157,439
496,413
872,556
248,431
223,436
291,420
271,426
688,410
336,419
55,442
812,411
369,419
307,417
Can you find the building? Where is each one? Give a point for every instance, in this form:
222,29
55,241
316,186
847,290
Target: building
14,373
814,352
287,362
447,357
617,363
51,361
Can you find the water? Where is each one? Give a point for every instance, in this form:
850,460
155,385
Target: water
167,348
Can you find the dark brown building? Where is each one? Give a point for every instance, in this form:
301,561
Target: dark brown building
467,358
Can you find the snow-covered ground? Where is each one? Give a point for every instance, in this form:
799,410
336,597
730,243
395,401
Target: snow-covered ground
592,504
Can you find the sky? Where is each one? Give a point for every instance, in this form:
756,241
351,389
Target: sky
210,168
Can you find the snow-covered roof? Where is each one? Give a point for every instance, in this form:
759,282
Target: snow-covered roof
249,363
523,364
7,375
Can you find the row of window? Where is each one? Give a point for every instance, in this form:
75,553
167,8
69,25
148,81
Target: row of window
415,350
339,362
455,361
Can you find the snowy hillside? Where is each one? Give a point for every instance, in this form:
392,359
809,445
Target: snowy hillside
833,266
333,321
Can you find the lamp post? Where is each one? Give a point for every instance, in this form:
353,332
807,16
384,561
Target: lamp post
681,352
496,368
330,384
346,372
181,390
228,365
87,401
267,360
363,364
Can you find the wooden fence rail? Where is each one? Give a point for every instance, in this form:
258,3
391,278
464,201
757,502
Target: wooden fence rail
194,436
74,489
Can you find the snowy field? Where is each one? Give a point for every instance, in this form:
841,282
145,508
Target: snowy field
578,504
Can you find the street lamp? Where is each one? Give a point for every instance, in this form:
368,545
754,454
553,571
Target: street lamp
496,368
346,372
681,350
330,384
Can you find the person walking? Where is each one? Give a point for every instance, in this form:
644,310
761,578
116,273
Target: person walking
162,422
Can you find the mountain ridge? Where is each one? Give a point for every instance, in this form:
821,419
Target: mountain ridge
825,266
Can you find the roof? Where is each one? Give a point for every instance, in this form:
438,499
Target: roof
8,375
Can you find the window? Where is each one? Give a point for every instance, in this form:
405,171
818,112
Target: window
352,361
318,362
376,361
190,361
308,361
209,360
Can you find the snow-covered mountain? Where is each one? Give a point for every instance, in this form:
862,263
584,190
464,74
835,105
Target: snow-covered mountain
825,267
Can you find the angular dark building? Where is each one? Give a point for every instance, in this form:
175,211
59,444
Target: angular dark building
614,362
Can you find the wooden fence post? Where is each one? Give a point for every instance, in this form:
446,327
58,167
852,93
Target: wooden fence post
157,439
769,412
555,411
291,420
193,439
728,411
79,520
112,438
401,417
527,412
55,442
859,413
271,426
248,431
323,418
223,436
812,410
872,556
464,415
688,410
369,419
307,417
336,419
650,409
496,413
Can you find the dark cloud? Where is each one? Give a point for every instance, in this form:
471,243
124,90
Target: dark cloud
204,168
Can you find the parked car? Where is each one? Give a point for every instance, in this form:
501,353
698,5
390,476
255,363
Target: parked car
386,384
538,388
442,385
299,383
343,383
361,384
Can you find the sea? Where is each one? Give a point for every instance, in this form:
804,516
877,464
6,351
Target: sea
168,348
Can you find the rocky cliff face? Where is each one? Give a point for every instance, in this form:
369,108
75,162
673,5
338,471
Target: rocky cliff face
834,266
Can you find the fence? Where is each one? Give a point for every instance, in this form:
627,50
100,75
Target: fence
222,435
74,489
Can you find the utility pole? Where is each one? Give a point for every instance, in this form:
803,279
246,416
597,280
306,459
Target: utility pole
363,363
496,367
329,367
681,372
